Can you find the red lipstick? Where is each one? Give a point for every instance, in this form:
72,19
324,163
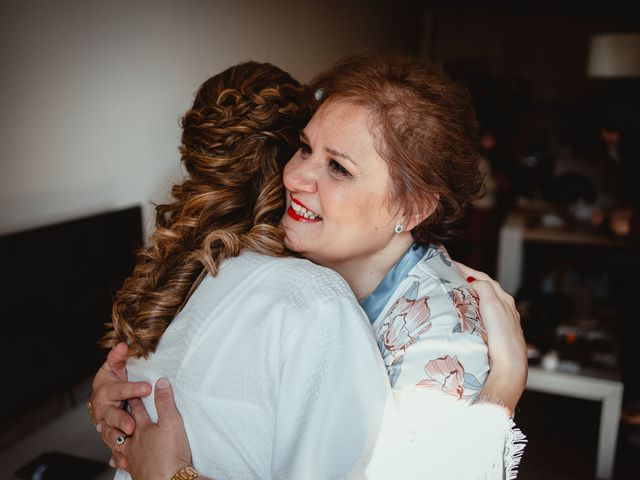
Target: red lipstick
296,216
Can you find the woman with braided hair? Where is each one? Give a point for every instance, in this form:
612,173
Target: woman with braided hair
272,362
236,138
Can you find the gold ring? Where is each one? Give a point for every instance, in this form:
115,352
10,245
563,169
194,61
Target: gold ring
91,413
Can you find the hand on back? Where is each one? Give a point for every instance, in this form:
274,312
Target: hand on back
507,346
110,391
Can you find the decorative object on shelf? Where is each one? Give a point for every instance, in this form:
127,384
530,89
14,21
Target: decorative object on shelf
550,361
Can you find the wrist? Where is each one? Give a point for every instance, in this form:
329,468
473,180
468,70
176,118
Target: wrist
504,386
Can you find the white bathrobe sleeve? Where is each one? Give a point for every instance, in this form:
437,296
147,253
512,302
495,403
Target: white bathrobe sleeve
428,436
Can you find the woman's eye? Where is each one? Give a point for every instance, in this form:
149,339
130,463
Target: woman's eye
305,150
339,169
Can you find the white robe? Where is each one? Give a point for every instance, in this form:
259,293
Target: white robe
277,375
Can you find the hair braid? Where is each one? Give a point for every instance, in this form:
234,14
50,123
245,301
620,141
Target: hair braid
242,128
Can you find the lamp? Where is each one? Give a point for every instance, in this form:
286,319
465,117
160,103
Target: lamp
614,55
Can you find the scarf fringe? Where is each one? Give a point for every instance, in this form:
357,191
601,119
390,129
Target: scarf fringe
515,443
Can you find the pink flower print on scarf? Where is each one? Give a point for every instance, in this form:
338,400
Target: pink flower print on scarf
466,303
446,374
407,319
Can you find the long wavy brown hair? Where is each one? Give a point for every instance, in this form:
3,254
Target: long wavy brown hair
236,138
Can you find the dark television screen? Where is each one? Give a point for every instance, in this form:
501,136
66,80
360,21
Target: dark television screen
56,289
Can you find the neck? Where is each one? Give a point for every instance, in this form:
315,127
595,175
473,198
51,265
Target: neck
364,274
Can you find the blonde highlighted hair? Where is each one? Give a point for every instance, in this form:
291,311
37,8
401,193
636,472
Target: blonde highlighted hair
242,128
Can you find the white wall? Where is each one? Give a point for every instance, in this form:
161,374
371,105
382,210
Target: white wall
91,91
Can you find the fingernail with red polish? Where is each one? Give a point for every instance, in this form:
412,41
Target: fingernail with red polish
471,279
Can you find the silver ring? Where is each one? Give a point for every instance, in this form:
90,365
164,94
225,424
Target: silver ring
120,439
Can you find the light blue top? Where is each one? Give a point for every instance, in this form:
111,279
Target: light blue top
373,303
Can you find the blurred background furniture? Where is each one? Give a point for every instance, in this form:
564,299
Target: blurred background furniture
605,390
564,273
522,227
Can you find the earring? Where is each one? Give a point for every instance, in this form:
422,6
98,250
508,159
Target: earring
399,229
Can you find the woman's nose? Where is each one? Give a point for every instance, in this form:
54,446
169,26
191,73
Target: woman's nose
300,176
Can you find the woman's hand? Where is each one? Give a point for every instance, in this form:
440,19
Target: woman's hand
157,450
507,347
110,391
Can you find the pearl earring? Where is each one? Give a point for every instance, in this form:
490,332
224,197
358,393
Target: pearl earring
399,229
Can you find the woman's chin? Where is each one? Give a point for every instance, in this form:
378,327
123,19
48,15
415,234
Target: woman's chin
295,245
290,242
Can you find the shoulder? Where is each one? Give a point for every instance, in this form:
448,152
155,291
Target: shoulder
436,265
436,279
313,302
447,287
440,277
297,277
303,295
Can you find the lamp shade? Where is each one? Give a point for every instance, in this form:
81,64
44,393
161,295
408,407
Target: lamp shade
614,55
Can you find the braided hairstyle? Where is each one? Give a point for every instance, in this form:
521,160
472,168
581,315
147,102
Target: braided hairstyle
236,138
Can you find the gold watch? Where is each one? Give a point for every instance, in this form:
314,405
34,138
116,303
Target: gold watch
186,473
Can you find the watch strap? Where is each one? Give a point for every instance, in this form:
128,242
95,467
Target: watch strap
186,473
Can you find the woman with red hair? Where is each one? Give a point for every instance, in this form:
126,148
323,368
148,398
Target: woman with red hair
268,358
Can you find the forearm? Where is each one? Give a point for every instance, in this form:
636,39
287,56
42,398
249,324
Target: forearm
504,388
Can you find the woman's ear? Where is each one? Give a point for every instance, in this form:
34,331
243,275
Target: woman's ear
420,216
